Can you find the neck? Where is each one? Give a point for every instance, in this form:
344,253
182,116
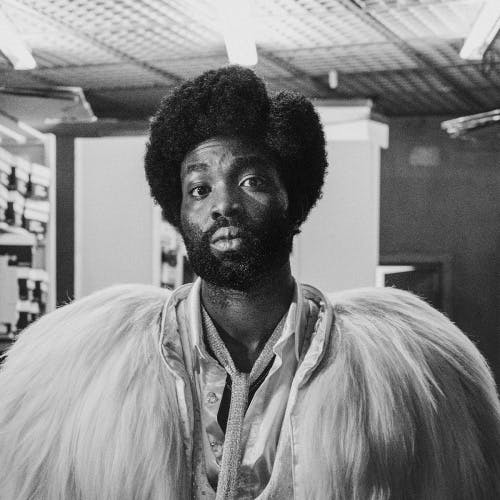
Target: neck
246,319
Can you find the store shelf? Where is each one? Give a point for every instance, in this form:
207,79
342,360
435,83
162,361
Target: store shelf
27,235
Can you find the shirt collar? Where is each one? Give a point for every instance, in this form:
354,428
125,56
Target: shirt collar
294,323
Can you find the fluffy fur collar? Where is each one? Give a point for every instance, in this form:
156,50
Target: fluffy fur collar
402,407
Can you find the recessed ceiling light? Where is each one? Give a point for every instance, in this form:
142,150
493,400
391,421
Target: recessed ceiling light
483,31
236,22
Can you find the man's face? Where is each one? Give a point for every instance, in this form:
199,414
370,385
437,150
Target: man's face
234,213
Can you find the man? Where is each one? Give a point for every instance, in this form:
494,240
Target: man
245,384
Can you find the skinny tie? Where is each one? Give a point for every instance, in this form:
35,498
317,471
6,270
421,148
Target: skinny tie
240,383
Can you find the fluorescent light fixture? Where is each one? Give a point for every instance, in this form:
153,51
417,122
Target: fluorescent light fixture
236,22
13,46
483,31
17,130
460,126
20,139
333,79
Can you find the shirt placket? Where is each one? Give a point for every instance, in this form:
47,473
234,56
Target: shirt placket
213,381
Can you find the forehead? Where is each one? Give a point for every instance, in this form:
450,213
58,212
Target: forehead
215,151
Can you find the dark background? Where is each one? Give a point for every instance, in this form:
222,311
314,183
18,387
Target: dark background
441,196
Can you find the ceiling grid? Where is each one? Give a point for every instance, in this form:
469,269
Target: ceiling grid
59,16
422,61
125,54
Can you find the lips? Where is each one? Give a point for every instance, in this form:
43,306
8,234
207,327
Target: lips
227,239
225,233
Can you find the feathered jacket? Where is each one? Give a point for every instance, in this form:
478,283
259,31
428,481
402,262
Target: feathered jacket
390,402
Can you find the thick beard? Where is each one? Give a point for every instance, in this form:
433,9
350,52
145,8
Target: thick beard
265,250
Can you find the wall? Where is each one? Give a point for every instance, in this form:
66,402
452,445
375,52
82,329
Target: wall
442,196
114,215
338,245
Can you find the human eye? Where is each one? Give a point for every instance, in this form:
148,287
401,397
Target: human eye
252,181
199,192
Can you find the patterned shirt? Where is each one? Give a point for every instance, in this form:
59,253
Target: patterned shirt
264,416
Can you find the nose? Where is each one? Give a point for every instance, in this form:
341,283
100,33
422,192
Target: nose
226,202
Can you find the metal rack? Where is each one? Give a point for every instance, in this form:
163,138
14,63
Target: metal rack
27,236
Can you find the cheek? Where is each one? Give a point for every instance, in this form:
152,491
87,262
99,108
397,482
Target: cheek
278,201
281,195
283,200
190,232
275,198
270,209
188,218
194,218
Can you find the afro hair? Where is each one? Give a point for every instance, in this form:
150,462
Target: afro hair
233,102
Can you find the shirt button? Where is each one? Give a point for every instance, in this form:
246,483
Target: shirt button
217,449
212,398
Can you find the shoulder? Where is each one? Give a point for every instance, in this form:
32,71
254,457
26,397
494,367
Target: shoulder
406,388
92,323
118,296
372,300
109,302
84,385
392,311
404,329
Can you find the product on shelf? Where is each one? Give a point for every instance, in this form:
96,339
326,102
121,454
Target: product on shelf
36,216
23,290
40,278
8,298
4,198
5,167
18,244
23,296
15,208
24,218
20,175
25,284
39,181
27,312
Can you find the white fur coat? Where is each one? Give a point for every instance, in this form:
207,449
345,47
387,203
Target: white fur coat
402,407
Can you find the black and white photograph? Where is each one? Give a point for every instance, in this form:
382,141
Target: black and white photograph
249,249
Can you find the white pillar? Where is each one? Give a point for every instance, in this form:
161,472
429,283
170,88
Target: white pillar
116,233
338,247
